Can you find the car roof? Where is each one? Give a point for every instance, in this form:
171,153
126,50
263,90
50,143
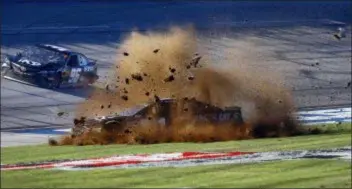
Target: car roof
54,48
132,111
136,109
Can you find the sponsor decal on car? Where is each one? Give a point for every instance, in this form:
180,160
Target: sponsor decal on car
29,62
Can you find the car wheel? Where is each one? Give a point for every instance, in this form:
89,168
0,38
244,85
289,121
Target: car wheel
55,83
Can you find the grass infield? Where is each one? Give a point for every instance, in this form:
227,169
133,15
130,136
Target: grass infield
295,173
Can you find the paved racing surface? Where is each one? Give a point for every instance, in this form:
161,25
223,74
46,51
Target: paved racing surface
300,35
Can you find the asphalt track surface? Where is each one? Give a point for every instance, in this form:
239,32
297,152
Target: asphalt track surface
299,34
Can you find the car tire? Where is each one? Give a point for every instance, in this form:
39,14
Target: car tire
56,83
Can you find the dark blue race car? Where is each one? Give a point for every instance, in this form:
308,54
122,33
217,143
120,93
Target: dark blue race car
51,66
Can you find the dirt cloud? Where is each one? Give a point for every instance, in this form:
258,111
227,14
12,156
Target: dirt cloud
174,64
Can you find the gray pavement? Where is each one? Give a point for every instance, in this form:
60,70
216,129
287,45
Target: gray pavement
9,139
298,35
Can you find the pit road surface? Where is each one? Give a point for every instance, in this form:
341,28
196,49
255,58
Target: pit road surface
300,35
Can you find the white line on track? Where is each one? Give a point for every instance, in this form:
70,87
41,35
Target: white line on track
334,115
17,80
63,130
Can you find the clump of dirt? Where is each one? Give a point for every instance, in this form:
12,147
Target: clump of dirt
173,64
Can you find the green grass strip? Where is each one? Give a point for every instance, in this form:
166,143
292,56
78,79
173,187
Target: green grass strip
310,173
334,136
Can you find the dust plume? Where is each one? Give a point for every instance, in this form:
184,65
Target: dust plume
155,65
148,65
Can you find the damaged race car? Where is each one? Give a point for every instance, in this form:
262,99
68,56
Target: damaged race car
50,66
162,112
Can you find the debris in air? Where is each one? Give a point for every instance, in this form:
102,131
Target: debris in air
157,99
60,114
125,54
137,77
337,36
156,51
191,78
169,79
172,70
53,142
195,61
127,131
340,34
124,97
79,121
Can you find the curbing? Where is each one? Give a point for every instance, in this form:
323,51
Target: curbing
182,159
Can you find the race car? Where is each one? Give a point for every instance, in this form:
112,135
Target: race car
50,66
160,112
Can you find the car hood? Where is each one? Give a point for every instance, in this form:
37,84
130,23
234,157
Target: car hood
23,61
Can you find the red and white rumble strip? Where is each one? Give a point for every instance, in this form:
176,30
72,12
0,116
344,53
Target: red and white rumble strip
180,159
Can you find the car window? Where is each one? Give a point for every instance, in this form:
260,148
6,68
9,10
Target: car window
73,61
82,60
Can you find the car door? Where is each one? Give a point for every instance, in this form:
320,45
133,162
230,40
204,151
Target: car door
76,69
